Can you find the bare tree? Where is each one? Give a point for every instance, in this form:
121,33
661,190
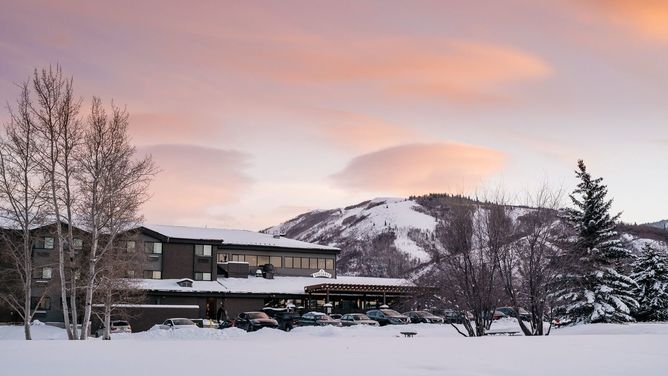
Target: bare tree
55,111
116,289
467,267
113,185
538,252
22,206
526,250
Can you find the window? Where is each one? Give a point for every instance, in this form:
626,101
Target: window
276,261
304,263
329,264
223,257
152,274
48,243
251,260
321,263
202,276
154,248
262,260
46,272
238,258
77,243
43,305
288,262
130,273
203,250
313,263
130,246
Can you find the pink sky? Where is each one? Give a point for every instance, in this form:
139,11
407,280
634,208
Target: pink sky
258,111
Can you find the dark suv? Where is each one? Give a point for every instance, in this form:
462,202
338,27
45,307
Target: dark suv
287,320
388,317
423,317
510,312
317,319
252,321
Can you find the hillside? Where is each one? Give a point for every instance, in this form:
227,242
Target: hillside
394,237
660,224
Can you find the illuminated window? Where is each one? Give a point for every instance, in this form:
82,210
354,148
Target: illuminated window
276,261
154,248
251,260
202,276
203,250
288,262
262,260
152,274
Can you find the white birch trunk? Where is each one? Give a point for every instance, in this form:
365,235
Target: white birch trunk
90,285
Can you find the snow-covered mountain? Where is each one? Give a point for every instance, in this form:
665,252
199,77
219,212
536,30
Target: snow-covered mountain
660,224
394,237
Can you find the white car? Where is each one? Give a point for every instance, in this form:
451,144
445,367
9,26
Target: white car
117,326
178,324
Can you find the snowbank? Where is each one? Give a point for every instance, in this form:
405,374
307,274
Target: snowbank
600,349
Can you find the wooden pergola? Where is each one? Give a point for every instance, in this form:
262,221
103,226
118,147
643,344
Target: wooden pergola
335,288
365,290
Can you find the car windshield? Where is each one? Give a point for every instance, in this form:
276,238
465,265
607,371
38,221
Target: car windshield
323,318
257,315
182,322
360,317
391,313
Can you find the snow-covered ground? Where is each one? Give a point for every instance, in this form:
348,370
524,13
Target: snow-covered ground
635,349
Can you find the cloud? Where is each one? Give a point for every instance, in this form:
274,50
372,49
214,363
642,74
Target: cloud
647,18
458,70
193,179
421,168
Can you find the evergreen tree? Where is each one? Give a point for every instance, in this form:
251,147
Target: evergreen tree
591,289
650,271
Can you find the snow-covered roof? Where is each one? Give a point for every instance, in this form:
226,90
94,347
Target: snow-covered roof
257,285
233,237
171,285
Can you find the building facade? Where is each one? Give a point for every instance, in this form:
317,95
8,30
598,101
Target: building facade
206,272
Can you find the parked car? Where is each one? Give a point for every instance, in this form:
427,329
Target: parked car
423,317
498,315
205,323
336,316
388,317
352,319
252,321
510,312
559,322
450,316
116,326
286,319
179,323
317,319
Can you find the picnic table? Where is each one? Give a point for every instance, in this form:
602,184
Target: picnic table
409,334
502,333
